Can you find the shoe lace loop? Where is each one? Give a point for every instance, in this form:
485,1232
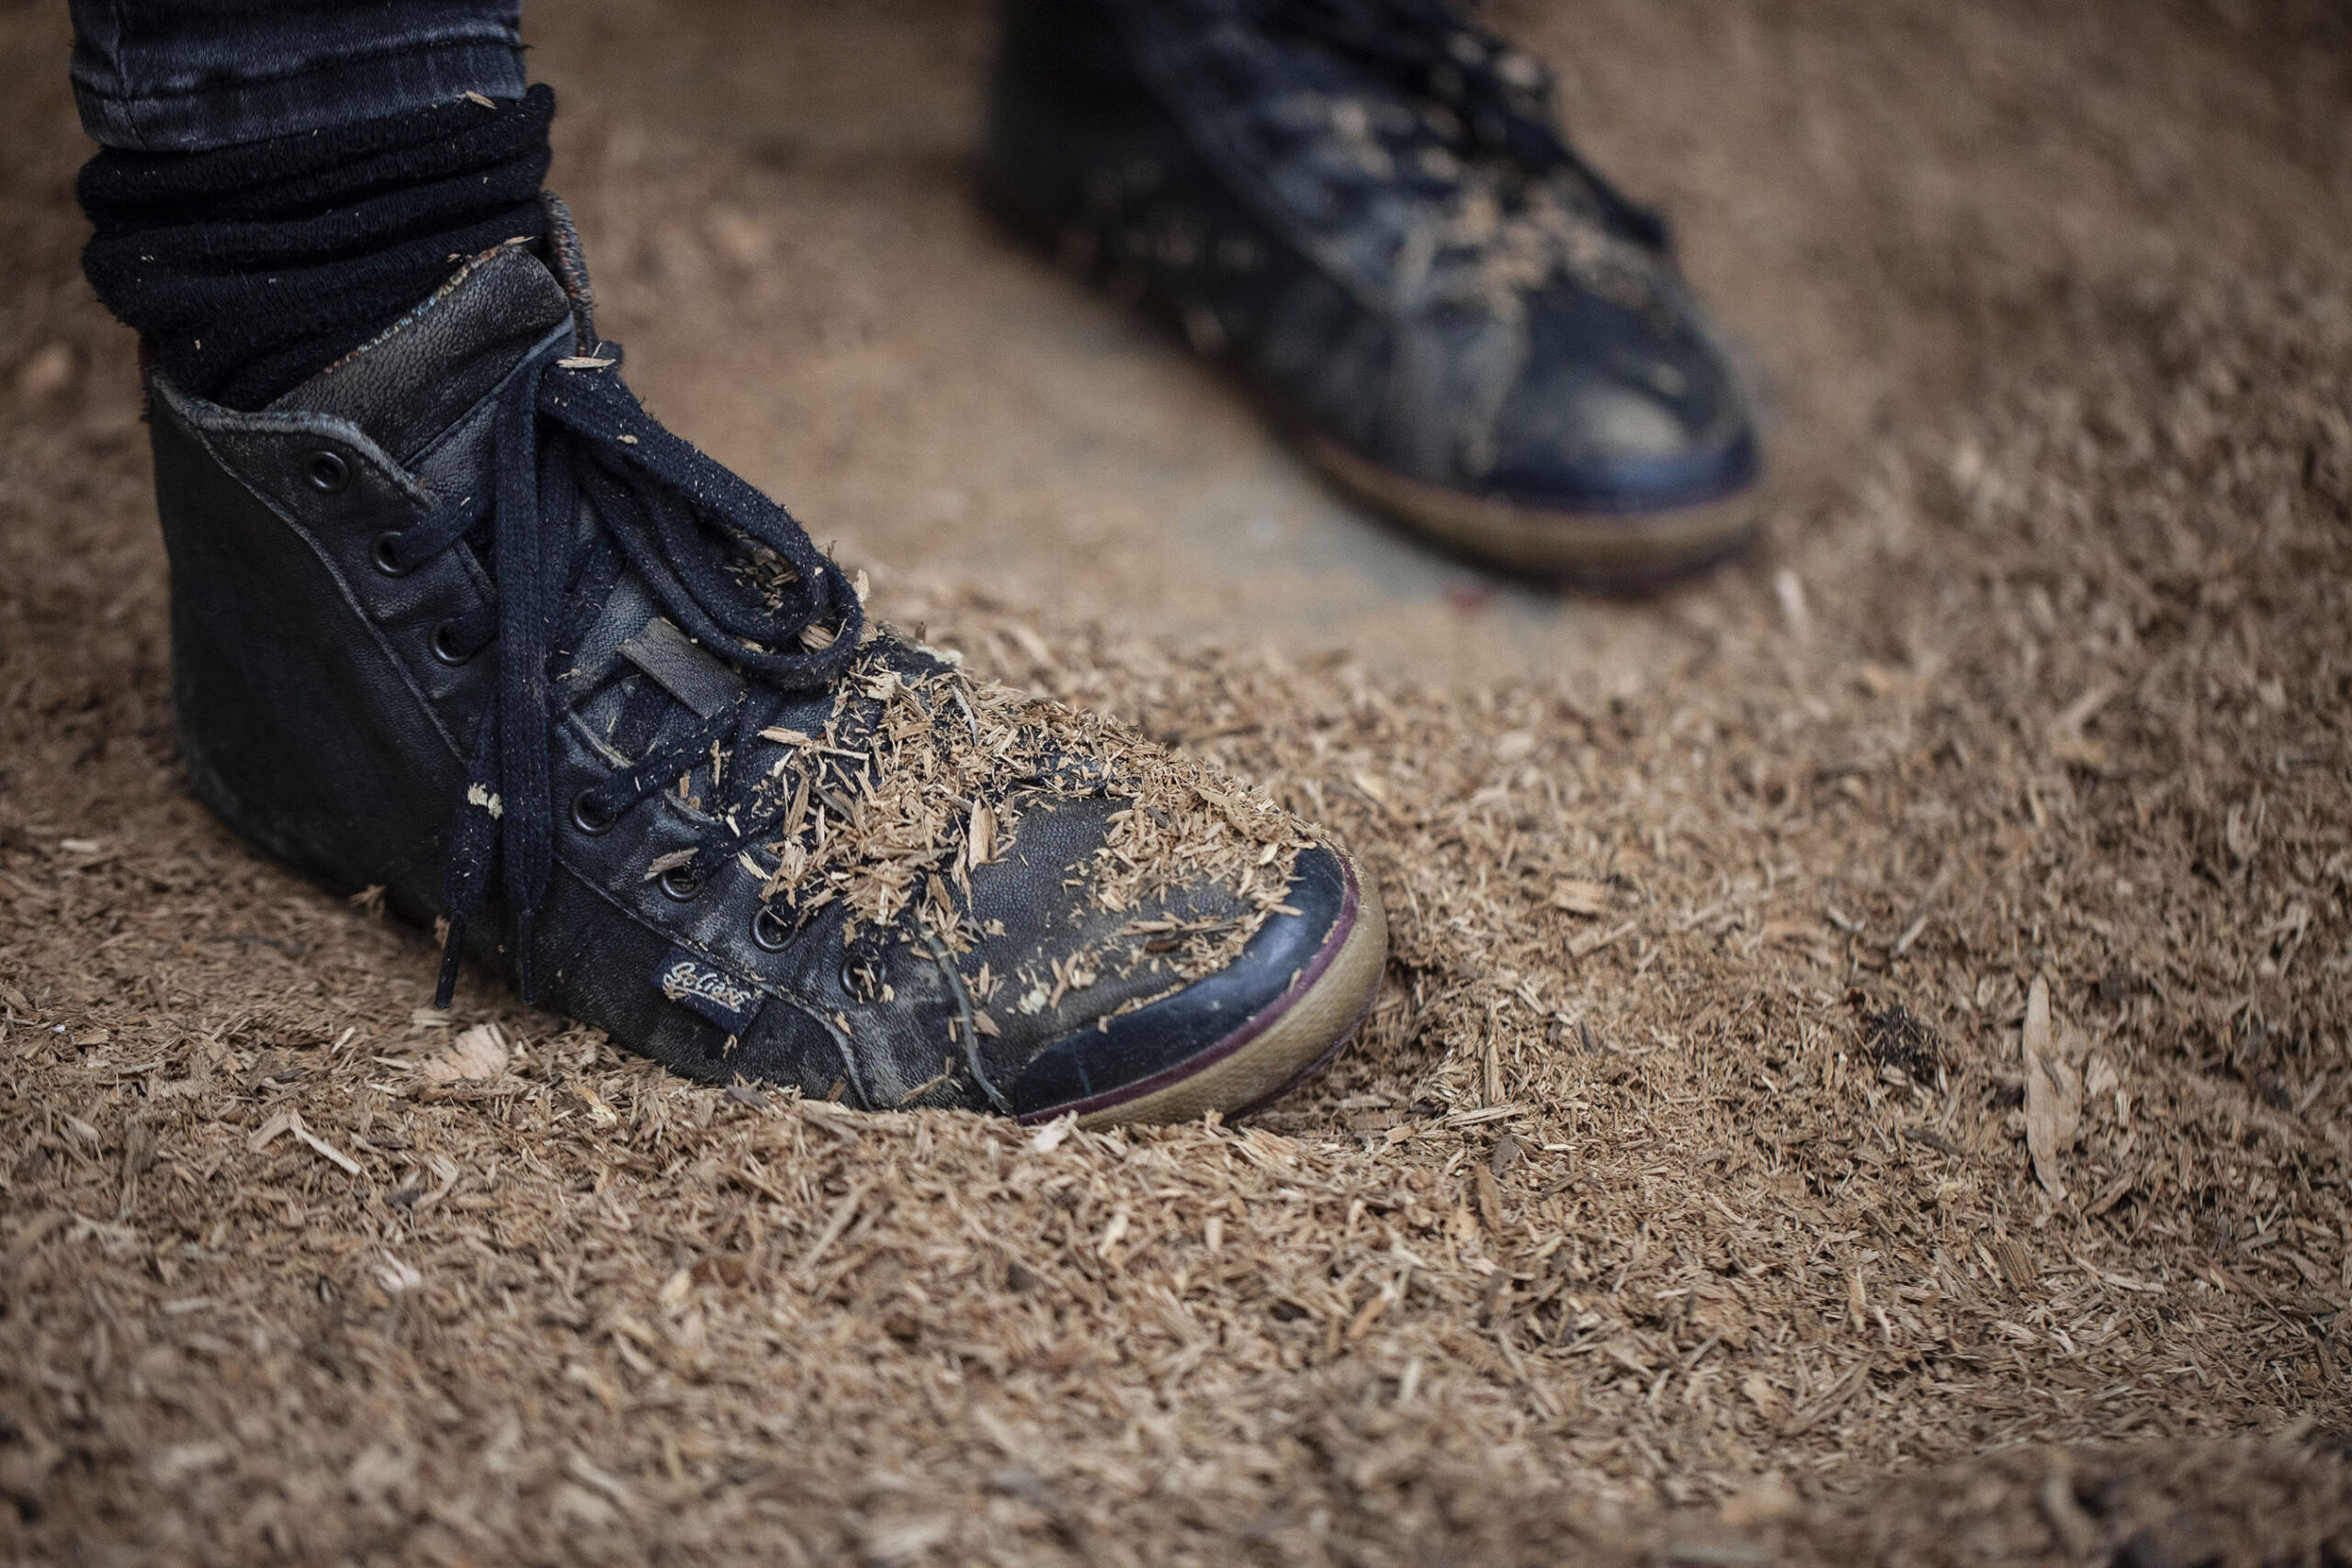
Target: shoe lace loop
1502,99
727,564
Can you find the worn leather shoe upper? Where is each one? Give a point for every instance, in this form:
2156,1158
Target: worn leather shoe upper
458,619
1364,204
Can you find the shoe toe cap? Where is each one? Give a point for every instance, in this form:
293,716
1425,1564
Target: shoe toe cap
1234,1038
1619,410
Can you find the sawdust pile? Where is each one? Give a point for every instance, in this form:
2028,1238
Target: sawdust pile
924,773
1888,1040
1711,1189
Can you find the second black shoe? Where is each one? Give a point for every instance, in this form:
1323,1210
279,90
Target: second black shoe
1365,205
457,619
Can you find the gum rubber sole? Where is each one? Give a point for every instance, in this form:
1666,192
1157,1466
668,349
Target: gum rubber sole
1610,550
1276,1050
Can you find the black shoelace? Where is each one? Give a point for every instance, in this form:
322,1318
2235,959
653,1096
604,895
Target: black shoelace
693,532
1502,99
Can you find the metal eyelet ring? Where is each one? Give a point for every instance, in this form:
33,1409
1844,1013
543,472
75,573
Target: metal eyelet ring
768,930
590,814
382,553
858,980
445,650
329,471
683,882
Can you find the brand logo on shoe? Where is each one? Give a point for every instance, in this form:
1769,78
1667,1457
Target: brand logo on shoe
718,996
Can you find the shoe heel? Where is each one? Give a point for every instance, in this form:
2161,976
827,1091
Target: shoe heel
274,675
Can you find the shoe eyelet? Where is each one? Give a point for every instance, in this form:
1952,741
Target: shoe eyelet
381,554
330,471
590,814
858,980
445,650
683,882
768,930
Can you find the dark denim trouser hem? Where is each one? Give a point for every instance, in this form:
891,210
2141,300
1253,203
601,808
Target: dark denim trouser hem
229,113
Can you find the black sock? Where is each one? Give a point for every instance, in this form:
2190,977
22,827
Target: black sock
252,268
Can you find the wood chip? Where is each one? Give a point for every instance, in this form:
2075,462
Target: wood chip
1590,899
288,1119
476,1055
1490,1198
2053,1091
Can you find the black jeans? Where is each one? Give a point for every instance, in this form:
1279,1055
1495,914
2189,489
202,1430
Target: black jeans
189,75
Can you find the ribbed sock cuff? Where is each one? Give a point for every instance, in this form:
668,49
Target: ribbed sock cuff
250,268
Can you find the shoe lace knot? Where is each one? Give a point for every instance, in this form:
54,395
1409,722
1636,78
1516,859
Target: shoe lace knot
583,487
1501,100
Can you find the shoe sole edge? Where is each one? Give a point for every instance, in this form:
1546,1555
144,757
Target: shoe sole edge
1624,550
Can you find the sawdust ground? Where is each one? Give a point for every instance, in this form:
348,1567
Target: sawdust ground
1677,1206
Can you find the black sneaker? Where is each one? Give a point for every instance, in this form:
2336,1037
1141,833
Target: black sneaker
1365,205
458,619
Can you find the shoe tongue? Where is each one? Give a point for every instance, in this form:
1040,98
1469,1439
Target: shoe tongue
421,374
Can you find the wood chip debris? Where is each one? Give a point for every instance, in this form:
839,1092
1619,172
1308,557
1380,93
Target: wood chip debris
1751,1280
288,1119
477,1055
